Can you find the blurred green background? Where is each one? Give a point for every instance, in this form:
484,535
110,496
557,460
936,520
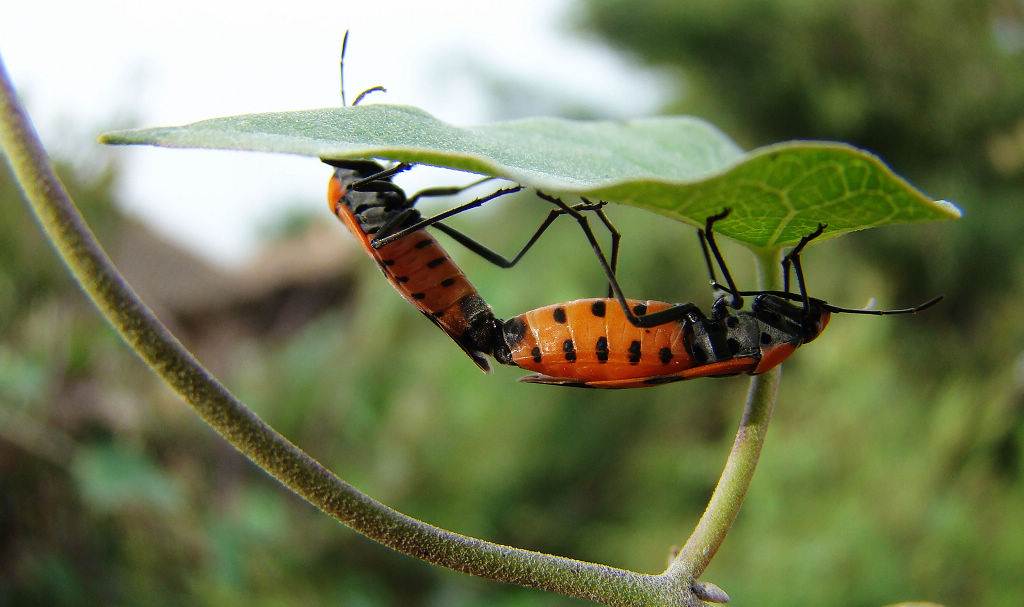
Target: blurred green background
892,470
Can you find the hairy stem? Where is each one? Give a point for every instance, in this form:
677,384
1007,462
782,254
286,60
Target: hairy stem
725,502
284,461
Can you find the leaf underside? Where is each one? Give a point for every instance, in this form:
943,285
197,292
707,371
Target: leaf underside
680,167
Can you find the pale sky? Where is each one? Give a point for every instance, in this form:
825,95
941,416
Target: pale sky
86,67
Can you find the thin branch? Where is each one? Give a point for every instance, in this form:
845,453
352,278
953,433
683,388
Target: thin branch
140,328
732,487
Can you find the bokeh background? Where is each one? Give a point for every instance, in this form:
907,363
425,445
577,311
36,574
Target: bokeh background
893,466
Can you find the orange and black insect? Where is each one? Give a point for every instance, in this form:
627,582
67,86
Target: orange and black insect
624,343
385,222
389,228
362,195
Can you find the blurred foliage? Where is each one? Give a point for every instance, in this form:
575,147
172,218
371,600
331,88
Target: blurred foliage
893,469
918,81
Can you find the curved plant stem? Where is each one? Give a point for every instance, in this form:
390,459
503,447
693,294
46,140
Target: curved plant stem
272,452
725,502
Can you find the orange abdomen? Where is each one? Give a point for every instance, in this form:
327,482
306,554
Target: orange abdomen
423,273
415,265
591,340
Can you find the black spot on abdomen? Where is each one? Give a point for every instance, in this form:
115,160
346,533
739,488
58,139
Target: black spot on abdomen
634,353
601,349
570,350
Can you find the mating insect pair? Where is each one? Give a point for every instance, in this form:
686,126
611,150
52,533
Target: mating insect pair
611,342
386,224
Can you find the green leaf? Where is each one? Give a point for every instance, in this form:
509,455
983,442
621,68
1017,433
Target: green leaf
680,167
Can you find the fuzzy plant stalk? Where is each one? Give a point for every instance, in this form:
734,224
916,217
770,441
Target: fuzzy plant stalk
727,498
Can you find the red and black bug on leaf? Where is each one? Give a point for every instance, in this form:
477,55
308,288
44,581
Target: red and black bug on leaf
623,343
615,342
363,197
612,342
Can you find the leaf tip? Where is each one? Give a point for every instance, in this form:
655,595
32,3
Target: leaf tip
949,208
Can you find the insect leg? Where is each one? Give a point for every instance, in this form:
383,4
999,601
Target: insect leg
496,258
677,312
793,257
390,232
446,191
707,242
615,235
381,176
383,239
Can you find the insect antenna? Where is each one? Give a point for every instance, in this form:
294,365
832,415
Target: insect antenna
831,308
341,76
341,67
914,310
792,261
